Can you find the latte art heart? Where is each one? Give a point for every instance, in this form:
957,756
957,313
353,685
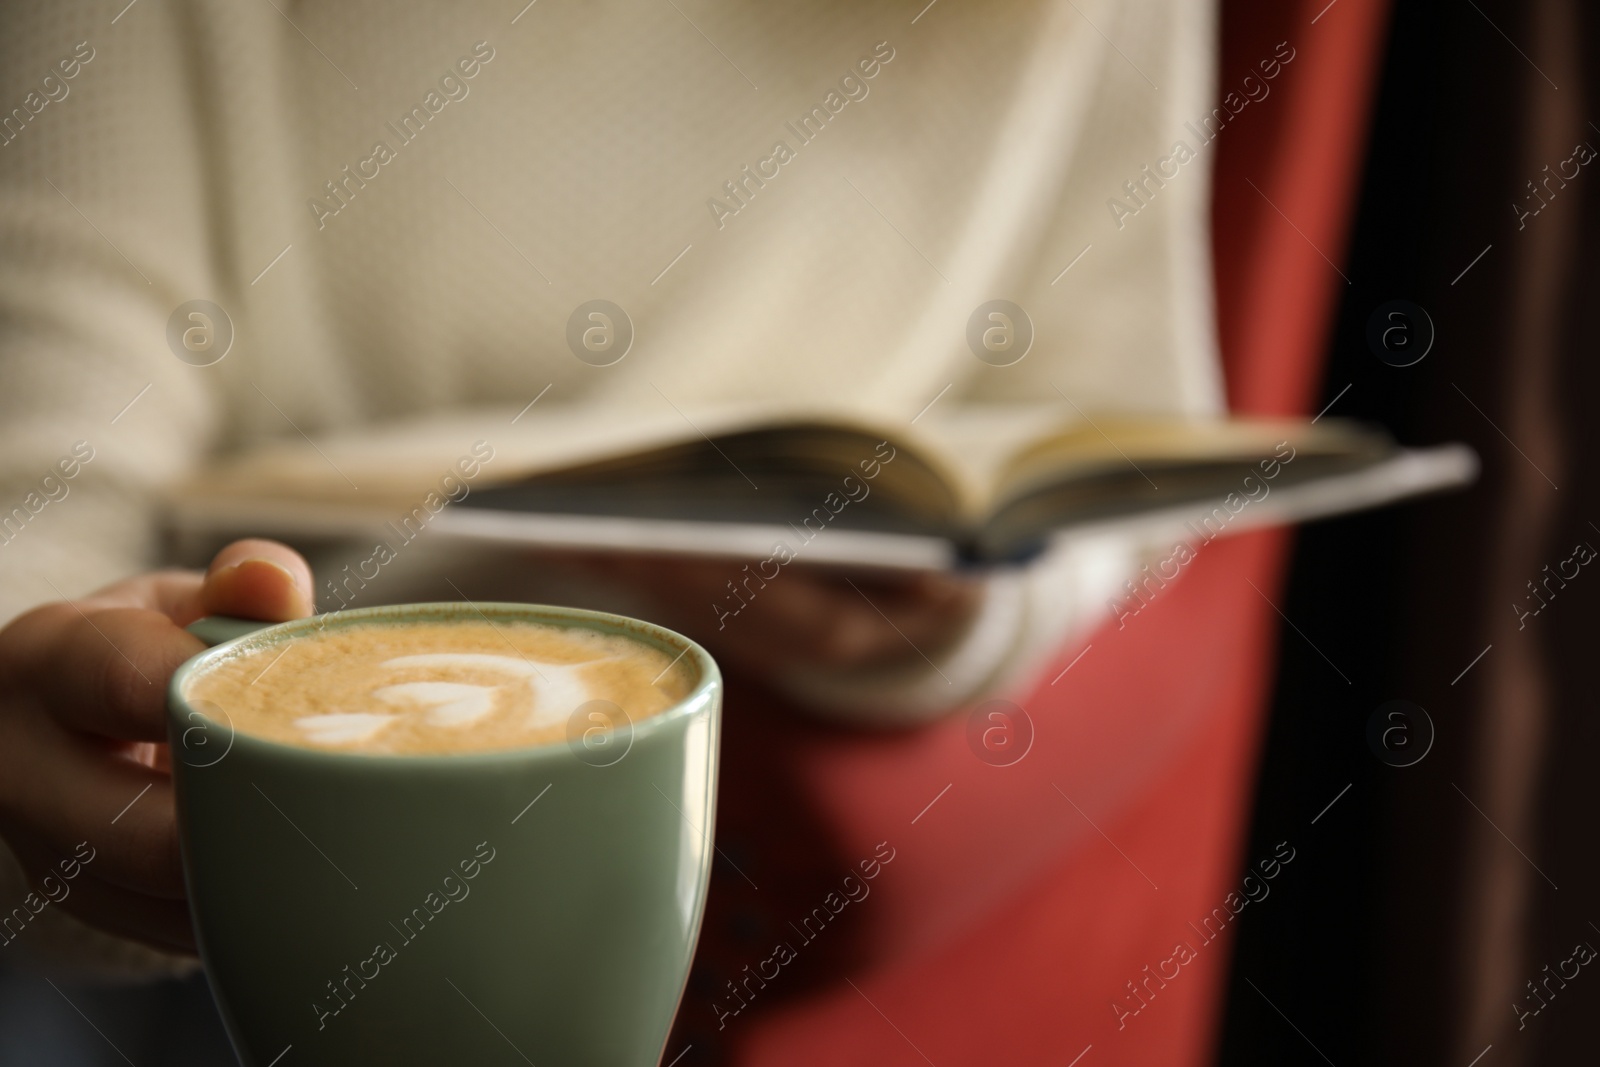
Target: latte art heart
556,688
437,687
342,729
449,703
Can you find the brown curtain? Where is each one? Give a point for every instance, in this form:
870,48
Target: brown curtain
1431,895
1494,875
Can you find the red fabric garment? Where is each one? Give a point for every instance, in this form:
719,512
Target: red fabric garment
1019,906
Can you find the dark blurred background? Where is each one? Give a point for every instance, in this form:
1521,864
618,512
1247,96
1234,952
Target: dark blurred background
1416,915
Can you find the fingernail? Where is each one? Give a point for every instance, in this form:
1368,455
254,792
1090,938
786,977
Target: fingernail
274,564
294,582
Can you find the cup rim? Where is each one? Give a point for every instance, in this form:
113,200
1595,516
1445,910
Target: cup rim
180,710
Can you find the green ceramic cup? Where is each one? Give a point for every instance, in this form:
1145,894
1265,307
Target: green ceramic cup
536,905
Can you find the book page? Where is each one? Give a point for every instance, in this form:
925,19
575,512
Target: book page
401,457
980,441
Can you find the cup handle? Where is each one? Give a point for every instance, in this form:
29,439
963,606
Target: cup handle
215,629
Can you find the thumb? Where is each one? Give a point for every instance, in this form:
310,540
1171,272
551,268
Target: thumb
256,579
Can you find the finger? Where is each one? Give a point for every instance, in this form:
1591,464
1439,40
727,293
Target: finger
832,622
805,624
805,616
765,622
159,923
905,598
920,588
100,670
73,886
174,593
72,796
256,579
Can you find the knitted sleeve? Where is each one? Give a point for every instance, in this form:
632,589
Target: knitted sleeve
99,244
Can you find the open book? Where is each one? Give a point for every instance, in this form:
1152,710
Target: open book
968,484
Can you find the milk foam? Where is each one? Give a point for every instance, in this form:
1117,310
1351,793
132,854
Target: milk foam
432,688
545,692
342,729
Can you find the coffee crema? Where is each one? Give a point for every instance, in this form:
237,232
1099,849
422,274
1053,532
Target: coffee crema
420,688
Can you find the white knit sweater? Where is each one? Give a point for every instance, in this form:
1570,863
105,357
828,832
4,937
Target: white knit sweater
398,206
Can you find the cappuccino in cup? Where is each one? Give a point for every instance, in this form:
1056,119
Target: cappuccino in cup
425,688
343,783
